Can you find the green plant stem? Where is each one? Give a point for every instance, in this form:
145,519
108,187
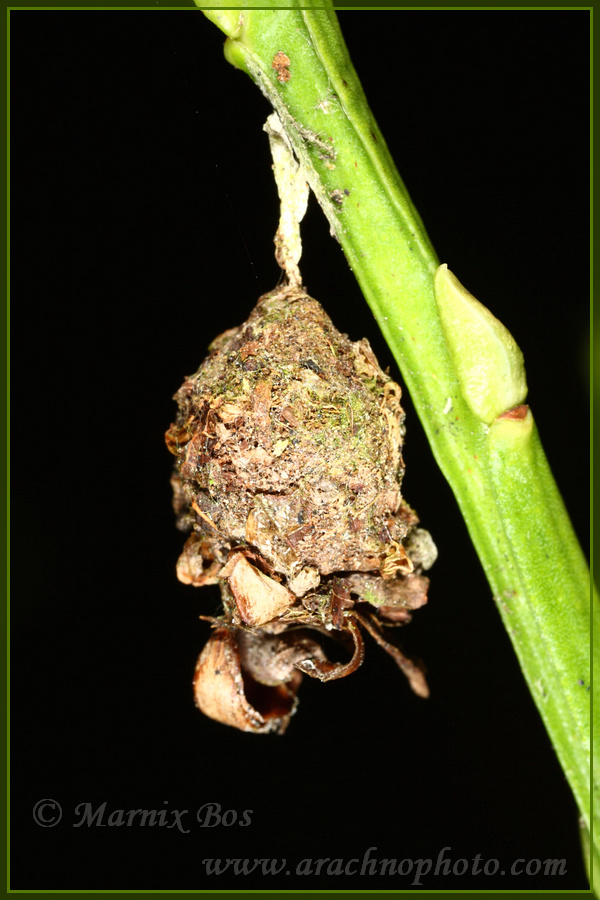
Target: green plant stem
498,473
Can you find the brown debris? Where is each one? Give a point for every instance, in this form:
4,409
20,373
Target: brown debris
258,598
288,446
516,413
223,693
280,64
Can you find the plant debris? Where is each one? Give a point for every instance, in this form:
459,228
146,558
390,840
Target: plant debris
288,471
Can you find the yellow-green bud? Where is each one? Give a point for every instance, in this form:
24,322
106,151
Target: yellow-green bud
487,359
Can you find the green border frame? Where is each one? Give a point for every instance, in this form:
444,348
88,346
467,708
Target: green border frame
163,5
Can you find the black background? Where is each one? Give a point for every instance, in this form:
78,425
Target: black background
143,211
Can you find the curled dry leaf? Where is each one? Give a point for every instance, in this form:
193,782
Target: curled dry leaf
228,693
288,447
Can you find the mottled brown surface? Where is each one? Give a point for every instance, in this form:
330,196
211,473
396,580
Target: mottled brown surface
288,447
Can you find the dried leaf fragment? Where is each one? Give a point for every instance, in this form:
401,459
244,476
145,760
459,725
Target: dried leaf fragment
259,598
220,690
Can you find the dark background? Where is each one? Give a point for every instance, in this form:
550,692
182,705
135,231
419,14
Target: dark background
143,211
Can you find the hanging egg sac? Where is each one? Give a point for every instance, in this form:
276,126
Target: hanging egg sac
288,471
